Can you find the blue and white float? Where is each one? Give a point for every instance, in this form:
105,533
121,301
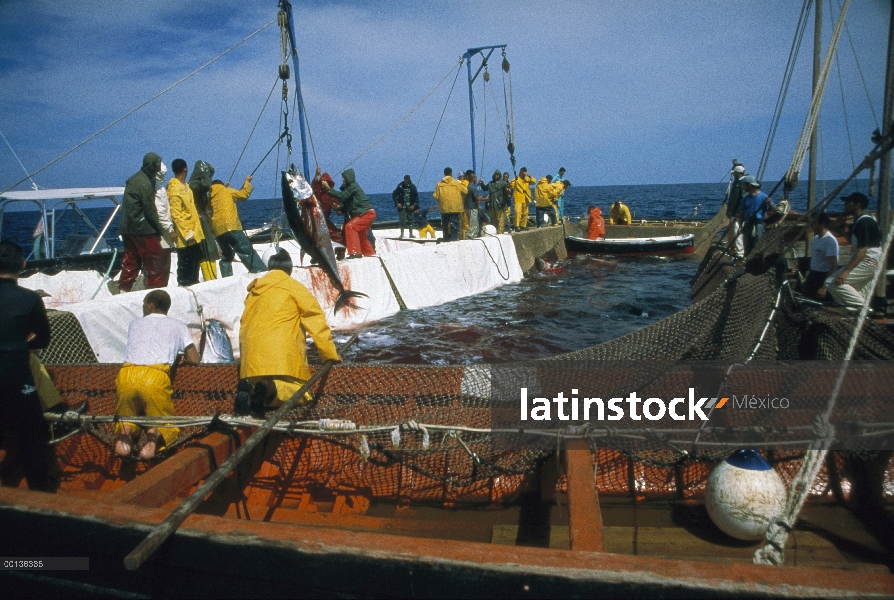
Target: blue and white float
744,493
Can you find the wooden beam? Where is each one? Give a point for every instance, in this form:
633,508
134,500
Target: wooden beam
335,560
584,514
164,482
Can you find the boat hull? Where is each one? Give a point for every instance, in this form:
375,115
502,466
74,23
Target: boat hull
659,246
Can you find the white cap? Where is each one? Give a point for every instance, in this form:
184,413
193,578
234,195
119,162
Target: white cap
739,169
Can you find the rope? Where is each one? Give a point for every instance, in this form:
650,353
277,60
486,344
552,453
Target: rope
774,551
346,428
847,128
161,93
404,118
238,160
860,71
783,89
435,136
18,160
486,249
816,103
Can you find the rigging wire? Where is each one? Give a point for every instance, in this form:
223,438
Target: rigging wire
404,118
783,89
161,93
816,102
510,112
8,145
434,137
850,41
484,79
238,160
847,128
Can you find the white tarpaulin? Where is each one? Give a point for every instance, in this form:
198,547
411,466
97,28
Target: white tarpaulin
424,274
427,275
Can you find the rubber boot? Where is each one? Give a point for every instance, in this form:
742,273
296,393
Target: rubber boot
259,400
242,406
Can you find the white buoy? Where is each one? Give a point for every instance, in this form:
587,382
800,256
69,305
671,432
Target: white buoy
744,493
490,230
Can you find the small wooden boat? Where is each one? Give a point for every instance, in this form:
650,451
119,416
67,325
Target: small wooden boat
634,246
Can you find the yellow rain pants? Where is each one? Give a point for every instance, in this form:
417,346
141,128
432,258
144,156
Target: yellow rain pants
46,391
463,224
209,269
521,215
145,390
427,231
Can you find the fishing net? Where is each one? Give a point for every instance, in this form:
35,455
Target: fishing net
452,434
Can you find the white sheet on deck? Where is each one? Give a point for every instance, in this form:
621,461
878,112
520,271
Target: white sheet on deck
424,274
67,287
427,276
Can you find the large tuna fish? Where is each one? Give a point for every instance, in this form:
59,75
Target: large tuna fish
309,228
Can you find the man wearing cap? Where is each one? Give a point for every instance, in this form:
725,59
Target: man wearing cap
733,205
755,206
849,284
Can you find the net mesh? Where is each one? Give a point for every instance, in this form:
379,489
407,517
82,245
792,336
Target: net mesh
426,433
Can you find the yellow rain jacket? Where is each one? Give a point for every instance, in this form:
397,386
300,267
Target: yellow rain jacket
184,214
545,194
225,216
619,214
278,311
521,188
449,193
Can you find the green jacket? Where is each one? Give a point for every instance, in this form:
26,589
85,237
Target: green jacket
352,199
496,200
138,213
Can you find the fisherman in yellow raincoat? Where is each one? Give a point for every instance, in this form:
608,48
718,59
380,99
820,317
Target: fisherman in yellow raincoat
619,214
273,364
186,225
521,188
154,344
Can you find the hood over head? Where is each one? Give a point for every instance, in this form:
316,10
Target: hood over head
151,164
202,175
327,177
349,176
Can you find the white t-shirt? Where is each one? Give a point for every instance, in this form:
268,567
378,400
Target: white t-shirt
156,340
823,249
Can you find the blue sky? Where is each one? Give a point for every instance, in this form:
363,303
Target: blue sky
618,92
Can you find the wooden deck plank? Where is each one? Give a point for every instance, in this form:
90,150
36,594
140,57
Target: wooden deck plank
584,514
164,482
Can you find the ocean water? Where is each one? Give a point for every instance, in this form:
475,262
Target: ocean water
583,302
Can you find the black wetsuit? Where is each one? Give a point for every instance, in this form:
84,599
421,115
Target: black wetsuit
24,433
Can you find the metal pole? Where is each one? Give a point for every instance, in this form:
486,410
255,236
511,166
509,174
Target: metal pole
300,99
468,56
811,170
884,163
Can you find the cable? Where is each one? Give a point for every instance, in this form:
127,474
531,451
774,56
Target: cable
412,110
238,160
121,118
434,137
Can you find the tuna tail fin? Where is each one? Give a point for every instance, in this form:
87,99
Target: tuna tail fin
344,299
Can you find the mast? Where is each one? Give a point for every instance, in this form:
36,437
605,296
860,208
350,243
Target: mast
286,6
811,168
484,58
884,178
